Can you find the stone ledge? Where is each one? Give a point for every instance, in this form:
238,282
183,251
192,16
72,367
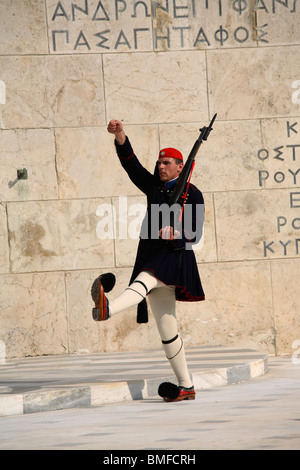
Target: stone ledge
210,367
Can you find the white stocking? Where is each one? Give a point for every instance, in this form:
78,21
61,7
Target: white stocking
162,301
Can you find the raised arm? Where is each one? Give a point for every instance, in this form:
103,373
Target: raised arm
141,177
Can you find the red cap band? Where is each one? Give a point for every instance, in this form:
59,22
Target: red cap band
170,153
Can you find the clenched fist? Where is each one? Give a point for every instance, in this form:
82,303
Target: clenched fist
116,127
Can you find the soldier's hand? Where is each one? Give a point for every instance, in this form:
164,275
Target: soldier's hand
167,233
115,127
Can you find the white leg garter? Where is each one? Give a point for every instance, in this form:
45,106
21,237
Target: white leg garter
134,294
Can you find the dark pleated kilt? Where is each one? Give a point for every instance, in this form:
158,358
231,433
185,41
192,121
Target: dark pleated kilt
173,268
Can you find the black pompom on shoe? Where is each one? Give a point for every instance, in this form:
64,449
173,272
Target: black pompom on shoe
108,281
167,390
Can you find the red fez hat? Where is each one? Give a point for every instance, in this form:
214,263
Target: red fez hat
170,153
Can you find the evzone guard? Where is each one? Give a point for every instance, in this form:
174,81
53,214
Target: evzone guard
165,269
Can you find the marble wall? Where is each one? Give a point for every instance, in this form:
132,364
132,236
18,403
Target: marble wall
164,68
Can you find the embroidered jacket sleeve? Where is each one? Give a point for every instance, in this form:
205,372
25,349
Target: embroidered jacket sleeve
139,175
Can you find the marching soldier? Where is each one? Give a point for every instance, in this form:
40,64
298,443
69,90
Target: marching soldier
165,269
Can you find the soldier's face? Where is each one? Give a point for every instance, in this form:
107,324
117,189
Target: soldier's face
168,169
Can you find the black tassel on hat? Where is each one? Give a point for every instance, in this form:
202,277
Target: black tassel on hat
142,312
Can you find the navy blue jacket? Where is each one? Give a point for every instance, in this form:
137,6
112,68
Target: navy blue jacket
172,262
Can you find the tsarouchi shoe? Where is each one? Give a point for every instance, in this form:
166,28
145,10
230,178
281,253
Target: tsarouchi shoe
102,284
171,392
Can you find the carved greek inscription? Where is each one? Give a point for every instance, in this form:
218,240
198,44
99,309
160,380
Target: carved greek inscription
128,25
287,246
282,153
287,156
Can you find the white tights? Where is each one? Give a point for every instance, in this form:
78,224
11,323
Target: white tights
162,301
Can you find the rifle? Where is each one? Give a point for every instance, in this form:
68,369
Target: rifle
182,185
